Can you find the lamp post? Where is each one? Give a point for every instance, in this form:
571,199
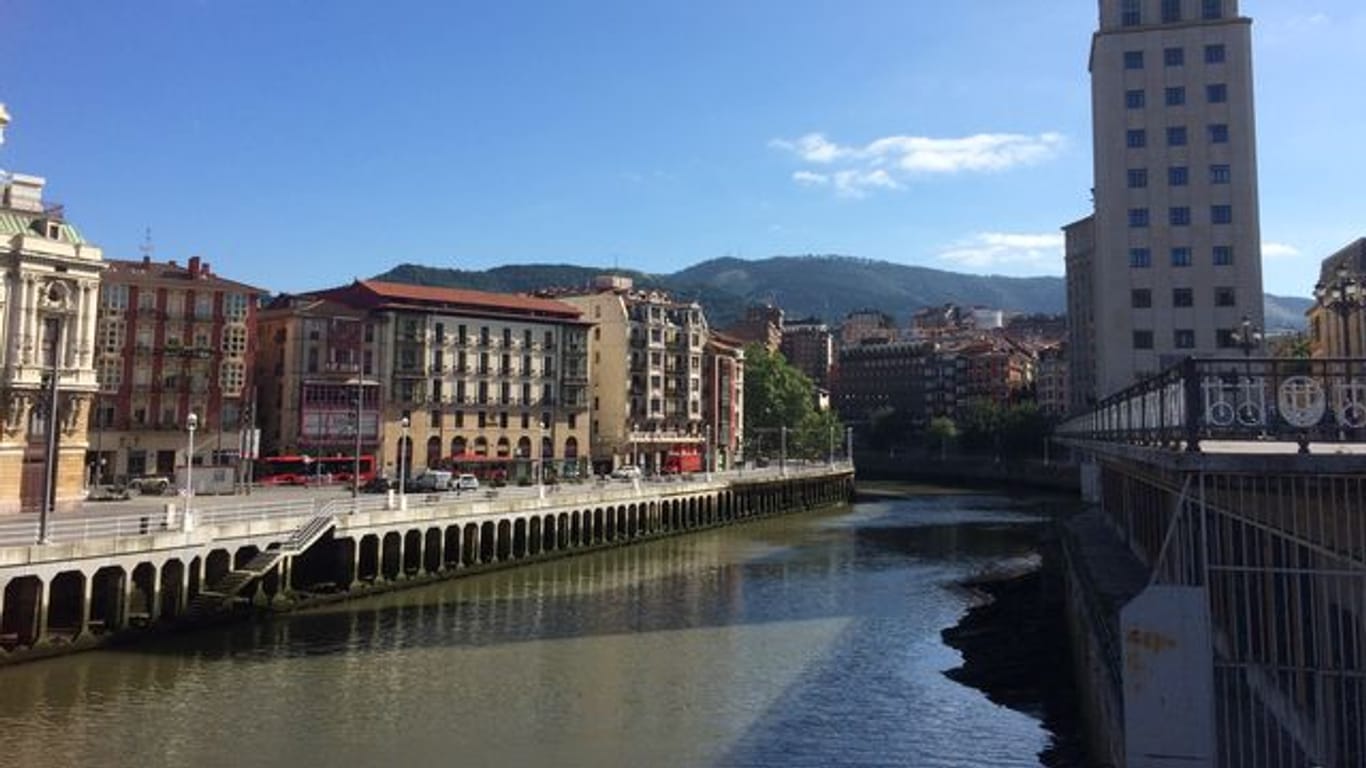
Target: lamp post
782,455
1247,336
849,445
191,423
54,333
1343,296
404,423
707,453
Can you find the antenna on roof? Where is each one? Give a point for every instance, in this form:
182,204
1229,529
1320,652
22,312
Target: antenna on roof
147,248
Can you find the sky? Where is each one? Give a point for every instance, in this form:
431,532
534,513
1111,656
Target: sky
296,145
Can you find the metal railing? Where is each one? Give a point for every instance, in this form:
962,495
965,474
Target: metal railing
1299,400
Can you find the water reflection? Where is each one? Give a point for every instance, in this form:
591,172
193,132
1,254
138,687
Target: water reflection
802,641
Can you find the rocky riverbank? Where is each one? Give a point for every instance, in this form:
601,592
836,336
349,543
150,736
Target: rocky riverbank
1015,650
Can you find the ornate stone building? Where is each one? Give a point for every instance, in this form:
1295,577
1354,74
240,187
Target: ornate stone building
48,303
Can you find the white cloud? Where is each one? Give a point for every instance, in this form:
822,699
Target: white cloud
1013,252
886,162
1279,251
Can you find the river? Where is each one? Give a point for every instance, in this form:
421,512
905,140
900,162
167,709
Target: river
808,640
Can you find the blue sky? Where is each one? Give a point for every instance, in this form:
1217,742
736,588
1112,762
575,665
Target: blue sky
299,144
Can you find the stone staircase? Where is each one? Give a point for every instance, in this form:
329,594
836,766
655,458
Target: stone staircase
221,594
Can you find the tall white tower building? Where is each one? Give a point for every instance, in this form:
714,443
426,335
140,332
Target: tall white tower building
1176,260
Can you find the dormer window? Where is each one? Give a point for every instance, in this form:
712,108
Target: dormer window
52,230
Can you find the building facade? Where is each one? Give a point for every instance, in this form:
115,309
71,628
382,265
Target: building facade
762,325
647,392
810,347
1336,327
1177,254
173,340
1052,380
1079,249
480,378
867,326
723,405
48,300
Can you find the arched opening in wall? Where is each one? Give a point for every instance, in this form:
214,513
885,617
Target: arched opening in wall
533,536
562,531
481,446
504,447
390,559
196,579
620,522
488,542
367,565
412,552
576,529
338,568
19,621
571,449
64,609
504,541
609,524
243,556
431,551
141,605
548,537
523,447
547,448
172,589
457,446
597,526
470,545
451,549
433,451
216,567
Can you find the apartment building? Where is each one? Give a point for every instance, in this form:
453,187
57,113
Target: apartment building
173,340
809,346
442,375
1176,260
1336,327
647,352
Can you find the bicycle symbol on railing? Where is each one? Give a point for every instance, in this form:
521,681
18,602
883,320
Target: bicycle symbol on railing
1242,403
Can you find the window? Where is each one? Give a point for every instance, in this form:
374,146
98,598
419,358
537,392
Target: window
1221,214
440,330
1176,96
1178,176
1179,216
502,419
1214,54
1140,258
110,335
1219,174
114,297
1174,57
1225,297
1134,99
1171,11
1176,136
1130,14
507,337
1211,10
1218,133
1136,139
1181,257
1216,93
110,373
1143,339
235,341
232,375
147,299
1138,218
1138,178
1223,255
1133,59
434,420
1223,338
1184,338
203,305
1183,297
1141,298
235,306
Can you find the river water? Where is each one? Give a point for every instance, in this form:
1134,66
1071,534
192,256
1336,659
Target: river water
810,640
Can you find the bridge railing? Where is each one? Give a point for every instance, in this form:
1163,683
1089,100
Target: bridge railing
1305,401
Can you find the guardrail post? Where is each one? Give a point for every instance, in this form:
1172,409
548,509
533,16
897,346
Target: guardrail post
1191,383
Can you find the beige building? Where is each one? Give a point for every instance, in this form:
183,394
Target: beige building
1079,251
647,352
48,303
1336,327
484,379
1177,256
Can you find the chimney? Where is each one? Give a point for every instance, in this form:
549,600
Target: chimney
25,193
194,267
204,269
146,260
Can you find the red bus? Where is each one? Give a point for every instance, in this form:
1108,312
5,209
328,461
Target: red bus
683,458
310,470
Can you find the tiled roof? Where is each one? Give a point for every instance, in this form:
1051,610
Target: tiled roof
123,270
460,297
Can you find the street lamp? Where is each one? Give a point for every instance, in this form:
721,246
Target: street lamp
402,471
1343,296
1247,336
191,424
54,333
782,455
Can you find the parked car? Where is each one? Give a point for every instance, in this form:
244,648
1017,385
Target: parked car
467,483
432,481
627,472
379,484
150,485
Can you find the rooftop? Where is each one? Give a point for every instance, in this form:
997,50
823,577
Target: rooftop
378,293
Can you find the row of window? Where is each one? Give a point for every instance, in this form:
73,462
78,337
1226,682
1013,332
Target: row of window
1175,96
232,376
1177,136
1142,258
1215,53
1142,298
1179,176
114,298
1184,338
1131,11
486,419
1180,216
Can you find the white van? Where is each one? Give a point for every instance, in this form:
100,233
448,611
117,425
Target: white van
432,480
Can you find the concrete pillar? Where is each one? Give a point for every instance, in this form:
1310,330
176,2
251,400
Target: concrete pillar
355,562
4,585
121,621
183,599
402,556
40,605
87,594
153,595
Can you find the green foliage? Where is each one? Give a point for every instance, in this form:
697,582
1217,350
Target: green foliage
1017,430
777,396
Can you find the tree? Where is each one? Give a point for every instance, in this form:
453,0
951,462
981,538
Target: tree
942,430
777,396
